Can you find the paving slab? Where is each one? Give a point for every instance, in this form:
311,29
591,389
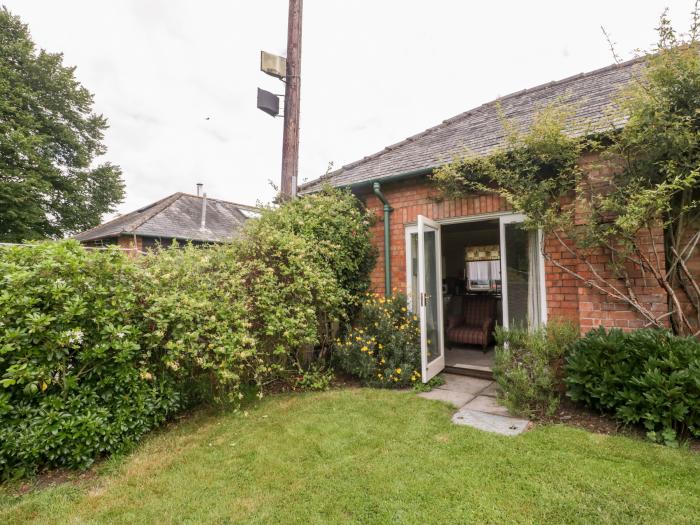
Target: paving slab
492,390
458,399
507,426
487,404
464,384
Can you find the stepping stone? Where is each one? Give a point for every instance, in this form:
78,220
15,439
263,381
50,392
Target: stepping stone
487,404
507,426
457,399
492,390
464,384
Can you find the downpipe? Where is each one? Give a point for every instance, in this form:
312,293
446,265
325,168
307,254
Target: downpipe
377,190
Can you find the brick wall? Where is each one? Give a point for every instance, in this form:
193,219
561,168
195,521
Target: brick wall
566,297
127,242
409,199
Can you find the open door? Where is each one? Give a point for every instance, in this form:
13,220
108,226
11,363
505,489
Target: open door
429,297
522,275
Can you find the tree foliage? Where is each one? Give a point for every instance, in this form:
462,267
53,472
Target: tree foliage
49,138
652,163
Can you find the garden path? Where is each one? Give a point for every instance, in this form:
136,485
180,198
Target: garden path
477,406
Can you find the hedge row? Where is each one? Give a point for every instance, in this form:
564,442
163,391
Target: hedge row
97,348
650,377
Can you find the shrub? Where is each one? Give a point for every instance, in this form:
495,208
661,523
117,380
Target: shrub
316,378
292,293
338,228
75,384
195,322
527,366
647,376
97,348
382,348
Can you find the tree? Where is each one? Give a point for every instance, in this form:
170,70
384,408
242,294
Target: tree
49,138
644,215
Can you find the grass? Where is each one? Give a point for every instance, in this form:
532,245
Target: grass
371,456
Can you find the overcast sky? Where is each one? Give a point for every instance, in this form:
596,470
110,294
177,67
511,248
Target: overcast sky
373,73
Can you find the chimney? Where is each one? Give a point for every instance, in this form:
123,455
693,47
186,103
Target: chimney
199,189
203,225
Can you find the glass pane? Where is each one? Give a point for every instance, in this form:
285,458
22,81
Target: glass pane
431,296
484,275
414,273
518,273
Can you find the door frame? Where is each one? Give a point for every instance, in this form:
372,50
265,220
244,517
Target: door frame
503,218
429,368
514,218
413,228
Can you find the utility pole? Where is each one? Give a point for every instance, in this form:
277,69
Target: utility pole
290,139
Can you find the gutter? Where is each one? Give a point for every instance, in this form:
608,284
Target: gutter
377,190
357,185
392,178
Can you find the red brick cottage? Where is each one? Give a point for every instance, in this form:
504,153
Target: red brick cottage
465,264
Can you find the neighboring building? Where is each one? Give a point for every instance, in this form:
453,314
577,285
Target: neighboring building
180,217
458,251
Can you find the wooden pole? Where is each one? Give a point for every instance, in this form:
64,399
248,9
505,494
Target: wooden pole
290,140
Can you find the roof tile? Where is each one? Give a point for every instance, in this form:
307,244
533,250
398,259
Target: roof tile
480,130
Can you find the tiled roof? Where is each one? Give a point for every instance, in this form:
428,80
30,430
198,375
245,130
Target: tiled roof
480,130
178,216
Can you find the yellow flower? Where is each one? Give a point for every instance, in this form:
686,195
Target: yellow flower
398,371
364,349
382,361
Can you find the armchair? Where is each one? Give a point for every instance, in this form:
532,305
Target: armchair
475,323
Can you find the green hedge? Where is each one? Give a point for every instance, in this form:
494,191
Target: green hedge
646,376
75,383
97,348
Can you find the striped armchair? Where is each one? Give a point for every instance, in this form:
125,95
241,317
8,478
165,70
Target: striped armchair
474,325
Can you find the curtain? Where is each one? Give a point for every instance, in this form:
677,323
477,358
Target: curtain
534,312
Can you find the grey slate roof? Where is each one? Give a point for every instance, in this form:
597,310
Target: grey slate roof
480,130
178,216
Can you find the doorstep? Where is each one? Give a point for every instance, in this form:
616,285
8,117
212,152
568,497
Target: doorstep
483,372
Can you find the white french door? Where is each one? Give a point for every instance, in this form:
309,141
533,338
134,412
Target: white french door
522,274
428,301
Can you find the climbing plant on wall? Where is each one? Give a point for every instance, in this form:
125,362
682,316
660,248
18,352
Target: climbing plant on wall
643,213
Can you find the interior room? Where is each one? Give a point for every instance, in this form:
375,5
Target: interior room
471,270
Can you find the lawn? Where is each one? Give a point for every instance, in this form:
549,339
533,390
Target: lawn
371,456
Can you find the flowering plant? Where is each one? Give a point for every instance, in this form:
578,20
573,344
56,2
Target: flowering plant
382,347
